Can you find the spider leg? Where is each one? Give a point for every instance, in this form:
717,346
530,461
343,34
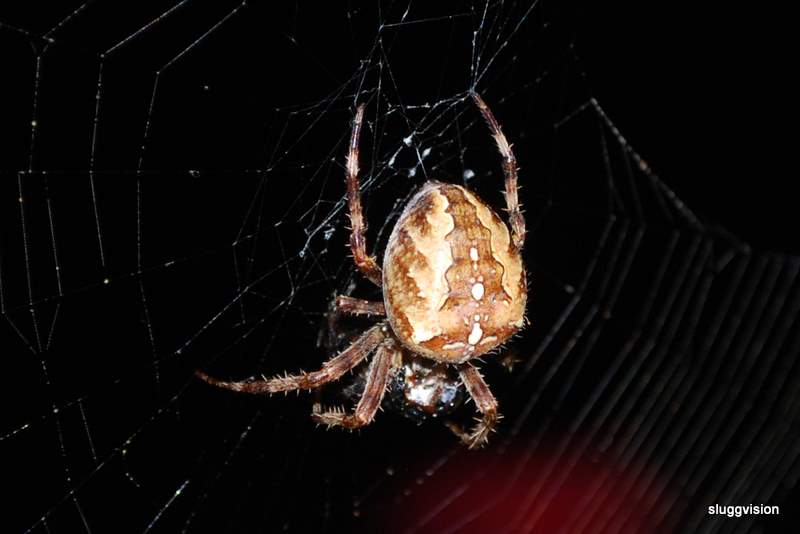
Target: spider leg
331,370
486,404
328,335
377,377
354,306
516,220
366,263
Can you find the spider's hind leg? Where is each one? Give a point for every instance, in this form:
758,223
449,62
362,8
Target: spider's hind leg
358,244
353,306
330,335
515,217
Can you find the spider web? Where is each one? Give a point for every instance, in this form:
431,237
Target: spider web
172,199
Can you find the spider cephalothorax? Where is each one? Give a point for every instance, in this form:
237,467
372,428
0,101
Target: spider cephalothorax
453,289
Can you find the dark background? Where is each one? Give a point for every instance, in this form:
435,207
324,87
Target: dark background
258,113
712,87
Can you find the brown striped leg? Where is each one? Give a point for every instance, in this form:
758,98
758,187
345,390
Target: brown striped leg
515,217
377,377
354,306
486,404
358,244
329,334
331,370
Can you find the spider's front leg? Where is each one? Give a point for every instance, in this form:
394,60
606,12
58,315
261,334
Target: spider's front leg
358,244
331,370
486,404
377,378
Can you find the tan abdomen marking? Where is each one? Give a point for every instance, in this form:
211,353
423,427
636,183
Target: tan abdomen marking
453,286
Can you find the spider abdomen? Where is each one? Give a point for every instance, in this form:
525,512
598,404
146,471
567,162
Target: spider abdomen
453,283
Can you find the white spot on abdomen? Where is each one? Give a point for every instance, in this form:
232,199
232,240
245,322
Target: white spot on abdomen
477,291
473,254
475,335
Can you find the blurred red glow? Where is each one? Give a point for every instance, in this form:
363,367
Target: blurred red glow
549,490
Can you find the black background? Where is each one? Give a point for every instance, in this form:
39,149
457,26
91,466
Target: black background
706,91
703,93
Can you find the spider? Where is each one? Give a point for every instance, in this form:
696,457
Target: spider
454,288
